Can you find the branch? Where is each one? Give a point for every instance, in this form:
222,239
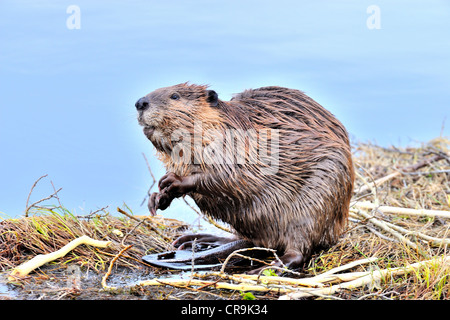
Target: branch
108,273
407,211
369,277
323,284
155,229
32,187
24,269
153,177
207,218
54,195
407,169
434,241
386,228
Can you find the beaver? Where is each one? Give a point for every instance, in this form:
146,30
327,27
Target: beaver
291,195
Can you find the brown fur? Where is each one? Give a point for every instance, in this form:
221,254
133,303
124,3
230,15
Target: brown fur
304,205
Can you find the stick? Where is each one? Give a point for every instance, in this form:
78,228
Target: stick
385,227
155,229
351,280
313,282
434,241
108,273
31,190
153,178
371,276
294,288
406,211
347,266
24,269
378,182
437,242
207,218
54,195
367,185
400,171
215,284
236,252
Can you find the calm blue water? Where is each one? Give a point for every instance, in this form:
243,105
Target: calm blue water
70,78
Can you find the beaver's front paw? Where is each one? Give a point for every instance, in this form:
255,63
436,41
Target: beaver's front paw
159,201
170,187
176,186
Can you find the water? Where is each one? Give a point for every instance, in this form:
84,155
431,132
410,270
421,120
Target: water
6,291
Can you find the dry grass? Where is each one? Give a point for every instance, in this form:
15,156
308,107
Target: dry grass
49,229
427,187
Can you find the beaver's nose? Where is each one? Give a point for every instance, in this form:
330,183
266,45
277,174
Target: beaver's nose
142,104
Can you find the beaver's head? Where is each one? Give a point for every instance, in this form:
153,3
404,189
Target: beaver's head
178,107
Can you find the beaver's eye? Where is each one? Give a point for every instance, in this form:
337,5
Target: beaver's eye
175,96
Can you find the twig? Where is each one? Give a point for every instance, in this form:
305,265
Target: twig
54,195
32,187
251,259
192,258
379,234
378,182
208,218
434,241
131,231
215,284
377,294
410,168
146,223
347,266
266,280
358,219
406,211
294,288
125,256
153,177
284,269
425,172
208,285
371,276
367,185
90,215
108,273
386,228
222,270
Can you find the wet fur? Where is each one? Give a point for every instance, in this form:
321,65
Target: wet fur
304,205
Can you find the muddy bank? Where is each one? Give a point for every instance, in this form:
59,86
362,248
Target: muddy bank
74,283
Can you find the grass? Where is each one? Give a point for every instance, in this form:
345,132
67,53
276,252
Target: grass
47,229
427,188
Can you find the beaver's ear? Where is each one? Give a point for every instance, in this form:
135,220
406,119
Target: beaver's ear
212,98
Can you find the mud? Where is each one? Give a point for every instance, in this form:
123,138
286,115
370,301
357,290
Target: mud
73,283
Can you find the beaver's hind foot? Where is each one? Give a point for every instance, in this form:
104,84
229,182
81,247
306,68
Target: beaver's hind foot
202,241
